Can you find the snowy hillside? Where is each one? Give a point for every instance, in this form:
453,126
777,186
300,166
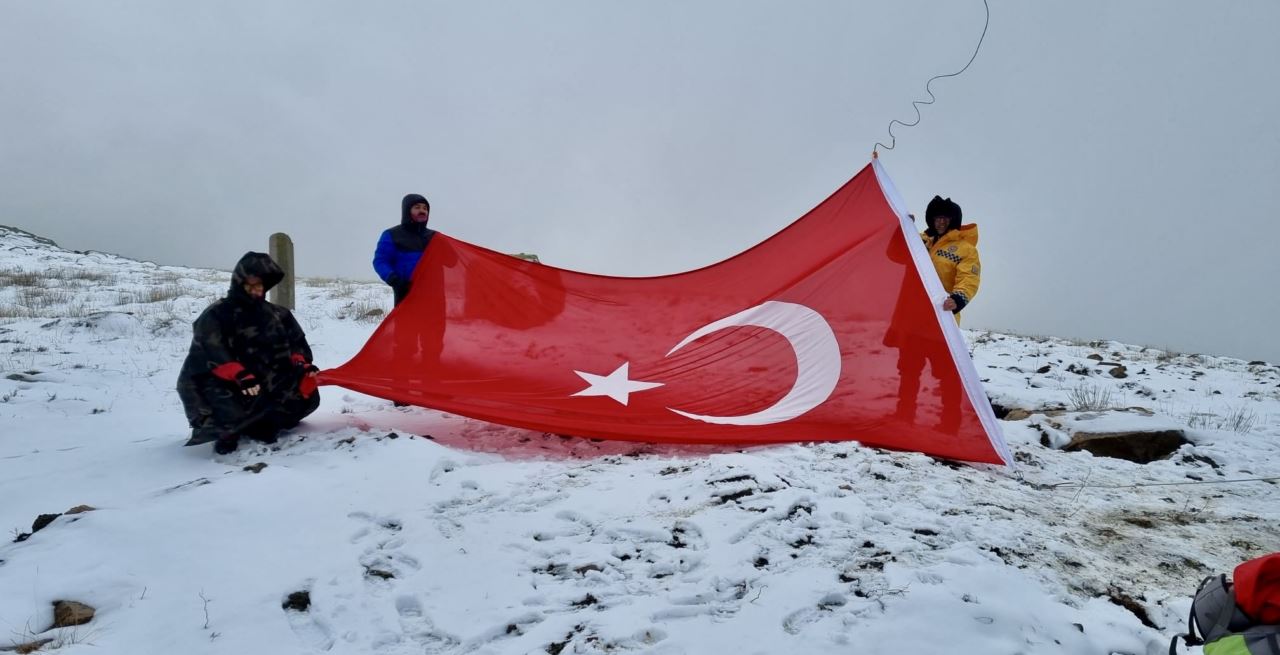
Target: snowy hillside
410,531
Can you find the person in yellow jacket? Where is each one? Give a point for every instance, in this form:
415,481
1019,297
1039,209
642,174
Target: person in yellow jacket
953,248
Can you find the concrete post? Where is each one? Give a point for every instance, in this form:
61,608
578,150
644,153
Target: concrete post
281,249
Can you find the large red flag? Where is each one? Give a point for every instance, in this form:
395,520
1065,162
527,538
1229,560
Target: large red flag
801,338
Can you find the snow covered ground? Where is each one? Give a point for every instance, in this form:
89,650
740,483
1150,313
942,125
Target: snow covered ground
417,532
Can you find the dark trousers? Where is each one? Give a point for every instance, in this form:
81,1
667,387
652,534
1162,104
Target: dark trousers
424,342
217,410
911,361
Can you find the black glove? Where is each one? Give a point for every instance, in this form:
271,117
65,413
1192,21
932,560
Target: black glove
399,284
226,445
961,301
247,382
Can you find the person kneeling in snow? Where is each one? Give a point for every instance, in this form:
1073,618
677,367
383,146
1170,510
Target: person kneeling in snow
249,370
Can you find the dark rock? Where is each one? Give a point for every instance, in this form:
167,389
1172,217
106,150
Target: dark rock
586,601
1191,459
256,468
1140,447
586,568
1095,357
67,613
298,601
379,573
42,521
1119,372
1045,369
79,509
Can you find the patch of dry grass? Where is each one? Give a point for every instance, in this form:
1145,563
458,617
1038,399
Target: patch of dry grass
1088,397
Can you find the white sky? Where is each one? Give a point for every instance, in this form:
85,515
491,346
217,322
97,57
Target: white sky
1121,158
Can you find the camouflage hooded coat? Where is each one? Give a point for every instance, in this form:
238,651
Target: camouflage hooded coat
240,333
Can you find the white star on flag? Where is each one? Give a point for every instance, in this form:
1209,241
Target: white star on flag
617,385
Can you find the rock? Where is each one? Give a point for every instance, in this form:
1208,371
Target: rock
42,521
79,509
1078,370
1140,447
256,468
67,613
1017,415
1119,372
298,601
1095,357
1045,369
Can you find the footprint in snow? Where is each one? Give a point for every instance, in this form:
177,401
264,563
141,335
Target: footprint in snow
800,619
310,629
383,560
419,628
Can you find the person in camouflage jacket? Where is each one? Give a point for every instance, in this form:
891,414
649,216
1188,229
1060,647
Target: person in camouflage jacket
249,371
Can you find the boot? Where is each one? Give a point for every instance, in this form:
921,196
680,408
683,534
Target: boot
226,445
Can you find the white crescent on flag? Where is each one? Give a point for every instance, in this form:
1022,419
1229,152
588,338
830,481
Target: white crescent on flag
817,359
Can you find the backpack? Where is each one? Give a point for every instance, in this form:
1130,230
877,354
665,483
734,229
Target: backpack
1240,616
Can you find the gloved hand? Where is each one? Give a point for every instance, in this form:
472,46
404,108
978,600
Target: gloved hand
248,383
306,367
400,285
226,445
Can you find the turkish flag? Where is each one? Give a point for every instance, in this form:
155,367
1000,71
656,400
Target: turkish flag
820,333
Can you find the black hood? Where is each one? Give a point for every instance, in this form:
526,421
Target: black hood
406,220
940,206
258,264
410,235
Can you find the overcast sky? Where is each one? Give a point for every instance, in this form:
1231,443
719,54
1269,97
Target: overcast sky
1122,158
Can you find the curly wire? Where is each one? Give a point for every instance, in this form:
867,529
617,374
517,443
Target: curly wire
915,104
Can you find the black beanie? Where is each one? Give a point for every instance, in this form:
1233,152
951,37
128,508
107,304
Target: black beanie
940,206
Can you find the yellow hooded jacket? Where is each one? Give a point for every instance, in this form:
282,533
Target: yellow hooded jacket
955,257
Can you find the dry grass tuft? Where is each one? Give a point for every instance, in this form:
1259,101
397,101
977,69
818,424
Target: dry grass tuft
1087,397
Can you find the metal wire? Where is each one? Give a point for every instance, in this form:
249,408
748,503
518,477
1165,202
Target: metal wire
915,104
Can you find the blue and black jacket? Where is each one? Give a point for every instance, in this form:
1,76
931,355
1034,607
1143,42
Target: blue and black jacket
400,247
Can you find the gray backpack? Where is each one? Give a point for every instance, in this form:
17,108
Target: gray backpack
1217,622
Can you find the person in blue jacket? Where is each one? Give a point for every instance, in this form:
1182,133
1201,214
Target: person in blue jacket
419,341
400,247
